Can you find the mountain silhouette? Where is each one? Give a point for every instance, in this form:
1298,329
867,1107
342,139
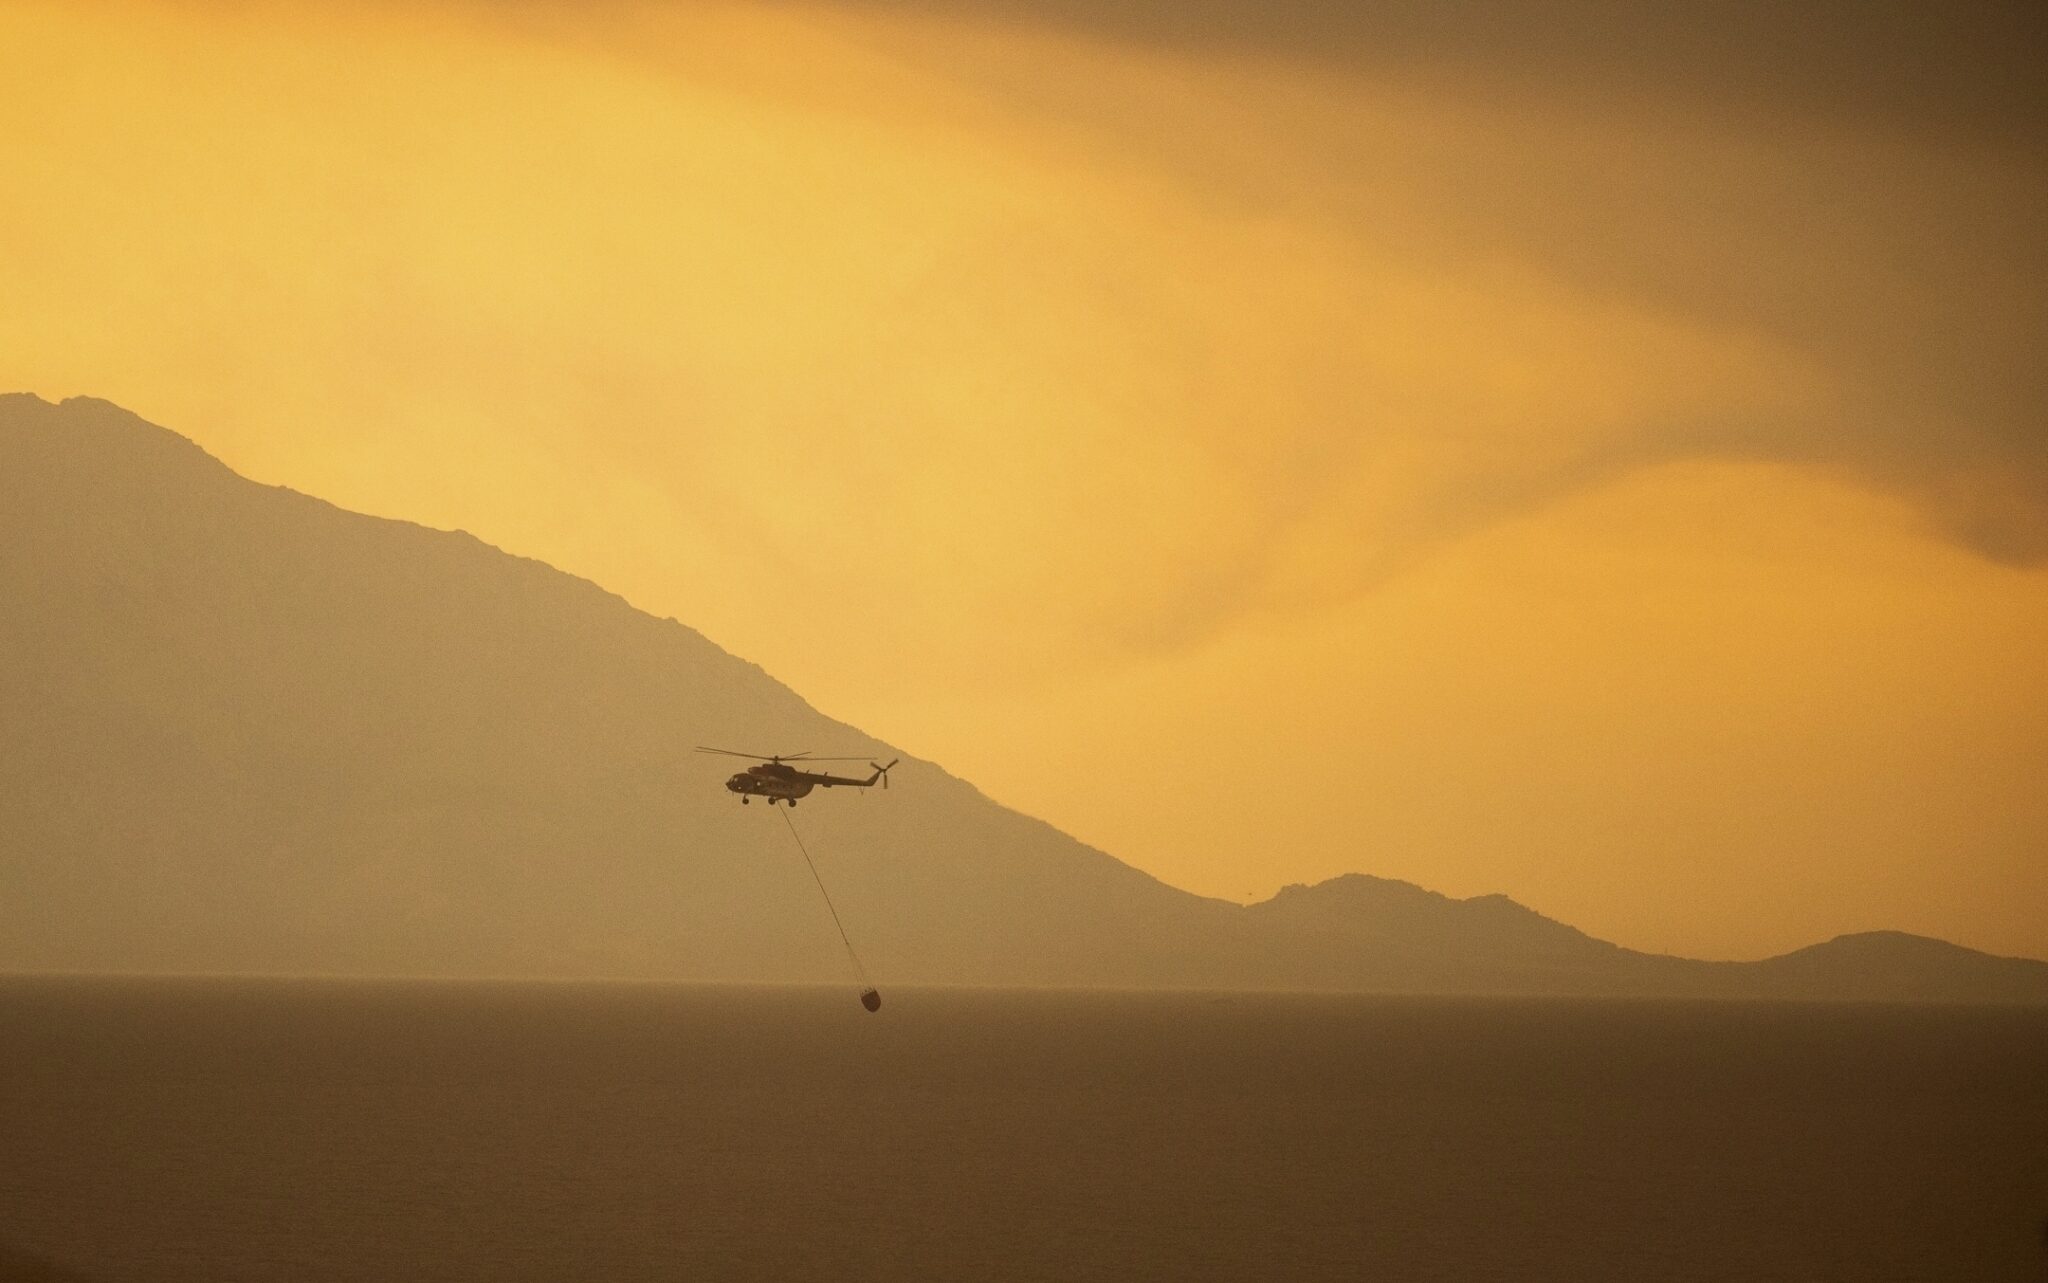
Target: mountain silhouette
248,731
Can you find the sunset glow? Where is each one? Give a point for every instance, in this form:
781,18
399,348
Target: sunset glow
1625,492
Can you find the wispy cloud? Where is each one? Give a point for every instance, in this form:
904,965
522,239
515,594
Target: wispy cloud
1123,323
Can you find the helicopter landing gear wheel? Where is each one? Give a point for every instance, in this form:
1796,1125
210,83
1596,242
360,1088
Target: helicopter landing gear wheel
745,800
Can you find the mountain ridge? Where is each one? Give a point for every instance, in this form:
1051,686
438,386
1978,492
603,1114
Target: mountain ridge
220,683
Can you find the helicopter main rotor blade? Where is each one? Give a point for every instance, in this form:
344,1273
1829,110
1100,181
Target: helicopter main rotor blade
785,757
759,757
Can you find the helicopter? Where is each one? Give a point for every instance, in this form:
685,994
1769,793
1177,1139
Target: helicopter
778,781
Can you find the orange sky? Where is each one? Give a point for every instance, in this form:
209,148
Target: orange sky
1598,473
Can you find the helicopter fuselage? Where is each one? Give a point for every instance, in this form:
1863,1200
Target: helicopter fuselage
780,782
776,783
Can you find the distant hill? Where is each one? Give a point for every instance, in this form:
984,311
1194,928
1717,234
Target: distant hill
1877,965
245,730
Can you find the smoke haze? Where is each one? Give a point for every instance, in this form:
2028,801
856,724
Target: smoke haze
1586,454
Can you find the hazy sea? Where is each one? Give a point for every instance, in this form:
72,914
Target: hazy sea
229,1130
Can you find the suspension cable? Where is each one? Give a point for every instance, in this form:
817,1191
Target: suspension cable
859,972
